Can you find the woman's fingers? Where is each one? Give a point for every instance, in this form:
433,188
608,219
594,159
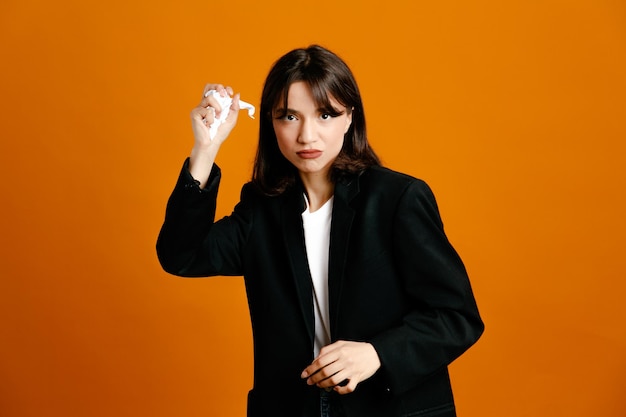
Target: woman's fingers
342,366
210,109
209,99
233,114
215,87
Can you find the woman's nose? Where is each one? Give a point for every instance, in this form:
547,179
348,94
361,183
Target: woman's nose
307,132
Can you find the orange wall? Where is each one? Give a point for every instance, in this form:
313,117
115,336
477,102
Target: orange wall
514,112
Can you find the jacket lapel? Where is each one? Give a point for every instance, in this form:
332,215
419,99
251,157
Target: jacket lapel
342,218
293,235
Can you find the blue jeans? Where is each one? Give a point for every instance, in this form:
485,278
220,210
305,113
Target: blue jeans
329,405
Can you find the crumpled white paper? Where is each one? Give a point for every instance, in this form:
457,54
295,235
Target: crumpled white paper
225,103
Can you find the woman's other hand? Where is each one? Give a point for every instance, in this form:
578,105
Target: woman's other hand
342,366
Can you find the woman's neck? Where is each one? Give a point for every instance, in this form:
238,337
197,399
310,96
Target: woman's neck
318,190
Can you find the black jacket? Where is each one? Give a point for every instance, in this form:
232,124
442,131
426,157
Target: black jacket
394,281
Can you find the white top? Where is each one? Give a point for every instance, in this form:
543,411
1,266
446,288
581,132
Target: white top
317,241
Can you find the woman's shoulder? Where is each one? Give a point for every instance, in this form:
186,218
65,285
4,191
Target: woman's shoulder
394,187
252,193
387,177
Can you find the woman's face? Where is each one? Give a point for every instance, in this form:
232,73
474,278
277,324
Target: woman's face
309,137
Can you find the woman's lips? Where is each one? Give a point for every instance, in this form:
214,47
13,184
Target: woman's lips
309,154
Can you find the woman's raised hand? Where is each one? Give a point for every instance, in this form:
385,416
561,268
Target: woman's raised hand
209,108
205,149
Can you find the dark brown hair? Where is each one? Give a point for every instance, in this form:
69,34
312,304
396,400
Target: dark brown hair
327,75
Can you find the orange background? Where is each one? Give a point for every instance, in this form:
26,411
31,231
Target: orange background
513,111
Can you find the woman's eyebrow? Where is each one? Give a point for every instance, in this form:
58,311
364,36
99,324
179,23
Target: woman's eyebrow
321,109
281,112
331,109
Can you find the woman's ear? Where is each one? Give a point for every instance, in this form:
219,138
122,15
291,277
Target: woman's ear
348,120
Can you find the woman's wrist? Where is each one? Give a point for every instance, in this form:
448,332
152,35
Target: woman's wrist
201,162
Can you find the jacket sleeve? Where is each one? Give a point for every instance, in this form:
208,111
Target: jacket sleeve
443,319
191,243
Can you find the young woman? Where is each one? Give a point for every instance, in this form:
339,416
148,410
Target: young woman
358,301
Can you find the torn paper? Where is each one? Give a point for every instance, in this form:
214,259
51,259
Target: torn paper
225,103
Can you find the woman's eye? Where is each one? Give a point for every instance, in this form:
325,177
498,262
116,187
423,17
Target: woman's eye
290,117
326,116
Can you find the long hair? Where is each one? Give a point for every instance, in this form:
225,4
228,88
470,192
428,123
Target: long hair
327,75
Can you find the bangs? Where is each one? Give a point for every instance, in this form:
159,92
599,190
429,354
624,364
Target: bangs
323,90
